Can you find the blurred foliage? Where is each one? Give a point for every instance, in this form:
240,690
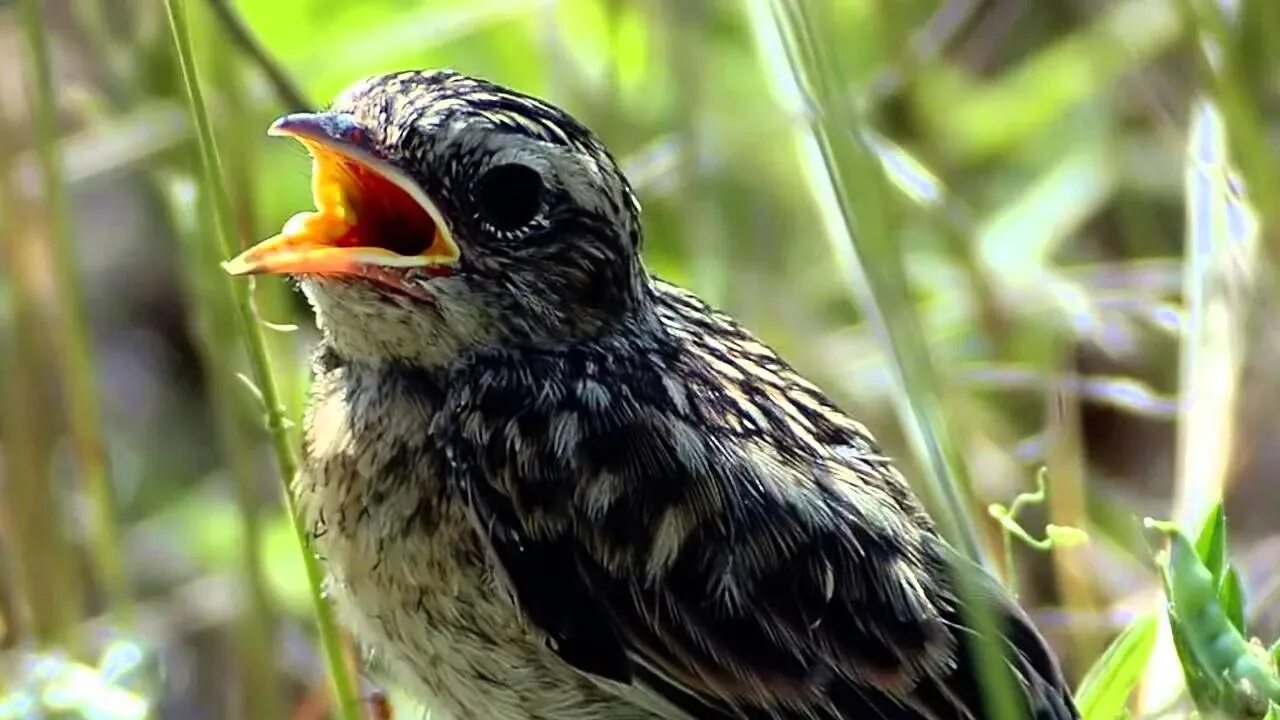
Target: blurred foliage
1074,202
118,687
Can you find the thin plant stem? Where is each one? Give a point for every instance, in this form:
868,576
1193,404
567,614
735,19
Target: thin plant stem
1010,567
214,319
260,363
48,594
272,299
1220,266
31,513
260,690
72,333
1067,507
112,66
883,295
799,63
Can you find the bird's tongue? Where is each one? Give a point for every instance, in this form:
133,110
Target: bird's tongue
334,224
317,227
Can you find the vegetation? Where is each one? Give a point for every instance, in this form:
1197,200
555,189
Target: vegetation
1031,245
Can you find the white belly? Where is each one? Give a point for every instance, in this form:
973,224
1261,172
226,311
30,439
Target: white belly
443,631
412,582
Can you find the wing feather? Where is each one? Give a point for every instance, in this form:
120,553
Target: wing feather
692,516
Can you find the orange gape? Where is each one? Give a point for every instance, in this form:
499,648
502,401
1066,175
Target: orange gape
356,207
364,224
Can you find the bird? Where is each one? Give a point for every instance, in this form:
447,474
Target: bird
546,484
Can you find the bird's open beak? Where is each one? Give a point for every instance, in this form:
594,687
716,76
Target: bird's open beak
370,217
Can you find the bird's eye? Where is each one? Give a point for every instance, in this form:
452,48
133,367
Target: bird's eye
509,196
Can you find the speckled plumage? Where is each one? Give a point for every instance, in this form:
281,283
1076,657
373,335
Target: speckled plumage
408,572
561,488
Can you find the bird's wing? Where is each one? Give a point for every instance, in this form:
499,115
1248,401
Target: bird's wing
691,516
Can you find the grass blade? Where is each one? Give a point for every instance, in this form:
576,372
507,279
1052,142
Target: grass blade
1218,285
213,320
259,361
797,61
1104,692
1219,270
47,598
835,154
287,91
1239,107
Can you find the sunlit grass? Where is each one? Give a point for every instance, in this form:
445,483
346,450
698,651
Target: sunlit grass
864,244
257,635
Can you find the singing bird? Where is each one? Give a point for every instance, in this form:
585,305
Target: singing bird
547,485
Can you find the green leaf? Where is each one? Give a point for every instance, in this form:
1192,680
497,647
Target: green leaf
1231,596
1202,686
1211,546
1105,690
1224,671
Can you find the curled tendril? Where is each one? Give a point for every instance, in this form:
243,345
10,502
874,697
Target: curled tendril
1056,536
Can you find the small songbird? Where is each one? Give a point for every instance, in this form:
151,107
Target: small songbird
547,485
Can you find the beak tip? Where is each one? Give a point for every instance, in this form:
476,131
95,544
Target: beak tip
290,125
279,127
322,127
237,266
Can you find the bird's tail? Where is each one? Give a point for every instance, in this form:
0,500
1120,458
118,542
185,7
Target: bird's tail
1041,690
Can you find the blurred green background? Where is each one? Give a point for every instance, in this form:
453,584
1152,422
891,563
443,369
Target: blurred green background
1083,195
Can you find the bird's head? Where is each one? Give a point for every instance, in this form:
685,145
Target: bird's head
455,215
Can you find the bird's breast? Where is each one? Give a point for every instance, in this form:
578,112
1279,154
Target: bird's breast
409,576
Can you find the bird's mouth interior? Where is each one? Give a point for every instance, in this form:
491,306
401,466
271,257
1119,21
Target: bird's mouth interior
370,219
356,207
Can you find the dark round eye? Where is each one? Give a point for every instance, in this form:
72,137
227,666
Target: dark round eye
509,196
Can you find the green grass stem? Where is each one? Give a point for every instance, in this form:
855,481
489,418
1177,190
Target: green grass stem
260,363
214,320
48,594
